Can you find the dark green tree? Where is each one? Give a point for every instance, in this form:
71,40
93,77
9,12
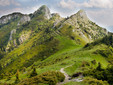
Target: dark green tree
33,73
9,76
17,77
99,67
93,62
2,75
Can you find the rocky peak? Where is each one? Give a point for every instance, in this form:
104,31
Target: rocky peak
24,19
55,14
44,10
82,14
7,18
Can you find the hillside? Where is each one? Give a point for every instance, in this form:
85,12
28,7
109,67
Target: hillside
49,42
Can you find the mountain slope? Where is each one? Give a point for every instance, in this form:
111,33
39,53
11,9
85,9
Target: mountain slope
83,28
48,42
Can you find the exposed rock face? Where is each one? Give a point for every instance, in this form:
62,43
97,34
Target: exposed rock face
12,41
47,13
55,14
57,19
24,36
14,16
24,19
7,18
80,25
82,15
11,34
43,10
83,27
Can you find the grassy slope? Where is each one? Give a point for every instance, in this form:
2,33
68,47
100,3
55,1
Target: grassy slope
75,83
72,57
70,54
87,55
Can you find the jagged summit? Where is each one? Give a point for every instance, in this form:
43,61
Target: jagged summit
55,14
15,16
82,14
5,19
43,10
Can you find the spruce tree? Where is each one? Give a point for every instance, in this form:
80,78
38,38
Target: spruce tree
33,73
17,77
99,67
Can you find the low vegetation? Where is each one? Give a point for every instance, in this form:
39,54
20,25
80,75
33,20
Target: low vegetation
50,78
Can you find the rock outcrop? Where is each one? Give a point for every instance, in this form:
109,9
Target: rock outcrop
78,26
8,18
44,10
21,18
24,19
12,43
24,36
83,27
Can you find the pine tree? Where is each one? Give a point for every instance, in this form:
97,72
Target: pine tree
17,77
2,76
33,73
99,67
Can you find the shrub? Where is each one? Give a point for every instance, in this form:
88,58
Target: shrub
17,77
60,76
99,67
93,62
51,78
101,74
92,81
85,63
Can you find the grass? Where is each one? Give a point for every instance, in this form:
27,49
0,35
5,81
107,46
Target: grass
70,54
75,83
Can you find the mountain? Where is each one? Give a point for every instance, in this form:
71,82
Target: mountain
44,10
49,42
84,28
8,26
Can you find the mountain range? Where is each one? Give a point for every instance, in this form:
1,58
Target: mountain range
49,42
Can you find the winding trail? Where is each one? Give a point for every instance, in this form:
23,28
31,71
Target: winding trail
68,78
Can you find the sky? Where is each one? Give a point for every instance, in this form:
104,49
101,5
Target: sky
99,11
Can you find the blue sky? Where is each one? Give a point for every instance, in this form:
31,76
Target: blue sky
99,11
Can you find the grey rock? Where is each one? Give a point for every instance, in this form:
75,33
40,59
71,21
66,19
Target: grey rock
11,34
24,19
43,10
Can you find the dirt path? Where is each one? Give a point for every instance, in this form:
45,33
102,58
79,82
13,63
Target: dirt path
68,78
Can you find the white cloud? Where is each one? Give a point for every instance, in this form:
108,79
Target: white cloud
89,4
67,4
99,3
102,17
8,2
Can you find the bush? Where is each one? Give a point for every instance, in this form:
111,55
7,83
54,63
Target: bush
92,81
101,74
93,62
85,63
17,77
51,78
